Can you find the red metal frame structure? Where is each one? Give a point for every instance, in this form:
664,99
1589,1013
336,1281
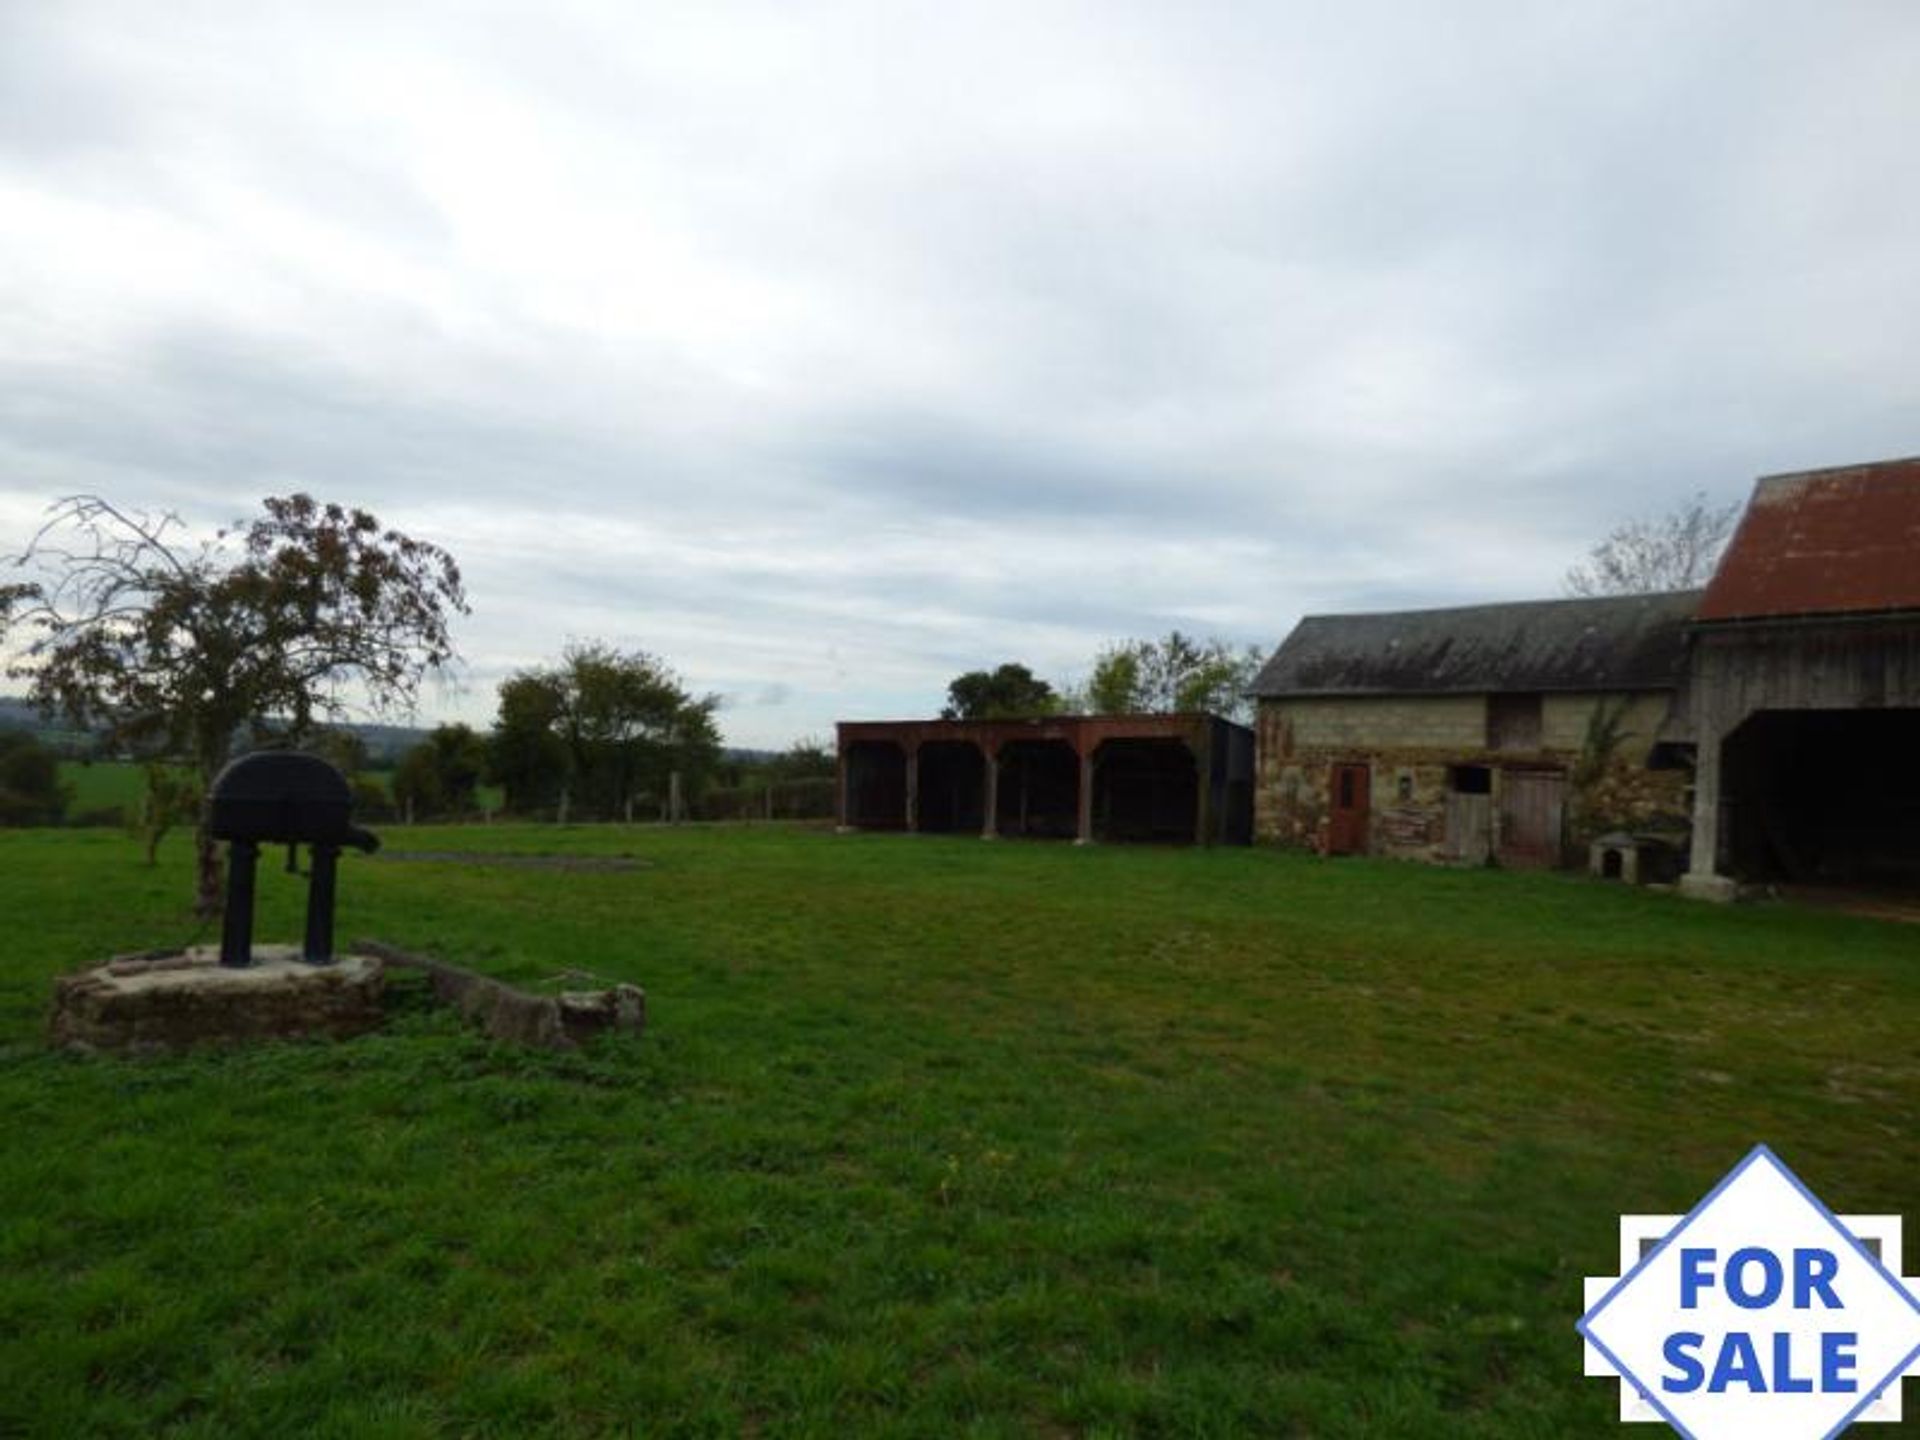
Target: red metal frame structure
1182,777
1823,542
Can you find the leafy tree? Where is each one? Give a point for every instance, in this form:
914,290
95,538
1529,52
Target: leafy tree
417,792
1011,692
169,796
810,758
1118,685
1171,675
604,726
176,649
525,755
371,801
440,775
1674,551
30,789
460,755
342,747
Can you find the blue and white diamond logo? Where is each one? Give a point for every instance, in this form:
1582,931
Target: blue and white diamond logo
1760,1315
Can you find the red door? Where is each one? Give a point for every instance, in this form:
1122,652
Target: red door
1347,834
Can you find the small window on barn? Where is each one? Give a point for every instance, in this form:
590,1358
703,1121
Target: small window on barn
1470,779
1406,785
1513,722
1346,789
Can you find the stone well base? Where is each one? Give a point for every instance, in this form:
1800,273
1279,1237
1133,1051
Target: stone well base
169,1002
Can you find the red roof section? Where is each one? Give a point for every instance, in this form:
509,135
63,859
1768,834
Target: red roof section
1823,542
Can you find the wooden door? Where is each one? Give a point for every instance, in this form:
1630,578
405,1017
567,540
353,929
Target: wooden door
1347,832
1532,814
1469,828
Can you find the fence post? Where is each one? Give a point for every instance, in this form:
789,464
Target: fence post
674,812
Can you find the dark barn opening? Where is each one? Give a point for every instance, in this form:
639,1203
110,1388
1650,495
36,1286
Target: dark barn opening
953,787
1825,796
1185,778
1145,790
876,785
1470,779
1039,789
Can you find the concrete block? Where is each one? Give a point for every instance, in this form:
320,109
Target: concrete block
171,1002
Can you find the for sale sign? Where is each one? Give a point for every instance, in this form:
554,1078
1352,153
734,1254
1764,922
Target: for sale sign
1760,1315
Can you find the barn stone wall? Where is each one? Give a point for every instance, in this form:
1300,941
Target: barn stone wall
1564,720
1441,722
1410,745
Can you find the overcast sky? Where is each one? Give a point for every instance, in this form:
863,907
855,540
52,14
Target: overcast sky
828,350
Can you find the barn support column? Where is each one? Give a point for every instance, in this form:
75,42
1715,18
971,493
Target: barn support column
913,788
842,824
1084,834
1703,880
990,825
1202,747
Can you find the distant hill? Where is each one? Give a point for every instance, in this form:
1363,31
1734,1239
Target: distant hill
385,743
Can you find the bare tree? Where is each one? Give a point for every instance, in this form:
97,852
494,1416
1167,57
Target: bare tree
174,648
1674,551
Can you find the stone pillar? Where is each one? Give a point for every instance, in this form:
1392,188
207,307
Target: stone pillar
913,787
990,823
1085,833
1703,880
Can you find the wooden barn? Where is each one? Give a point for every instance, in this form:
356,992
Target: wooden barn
1804,687
1169,778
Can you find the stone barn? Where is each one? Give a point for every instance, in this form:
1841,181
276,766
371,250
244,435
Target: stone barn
1804,688
1505,732
1170,778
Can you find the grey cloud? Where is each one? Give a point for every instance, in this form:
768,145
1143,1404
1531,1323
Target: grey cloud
828,350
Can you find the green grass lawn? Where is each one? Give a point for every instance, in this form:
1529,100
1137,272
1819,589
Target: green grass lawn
101,785
926,1137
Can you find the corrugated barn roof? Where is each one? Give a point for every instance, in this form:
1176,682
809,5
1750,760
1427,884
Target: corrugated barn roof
1631,642
1824,542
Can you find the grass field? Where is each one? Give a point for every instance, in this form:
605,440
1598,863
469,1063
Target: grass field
102,785
927,1137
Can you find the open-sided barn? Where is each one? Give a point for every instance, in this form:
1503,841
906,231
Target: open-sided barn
1804,687
1177,778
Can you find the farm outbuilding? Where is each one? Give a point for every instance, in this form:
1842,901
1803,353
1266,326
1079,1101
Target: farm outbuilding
1766,729
1804,688
1168,778
1481,732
